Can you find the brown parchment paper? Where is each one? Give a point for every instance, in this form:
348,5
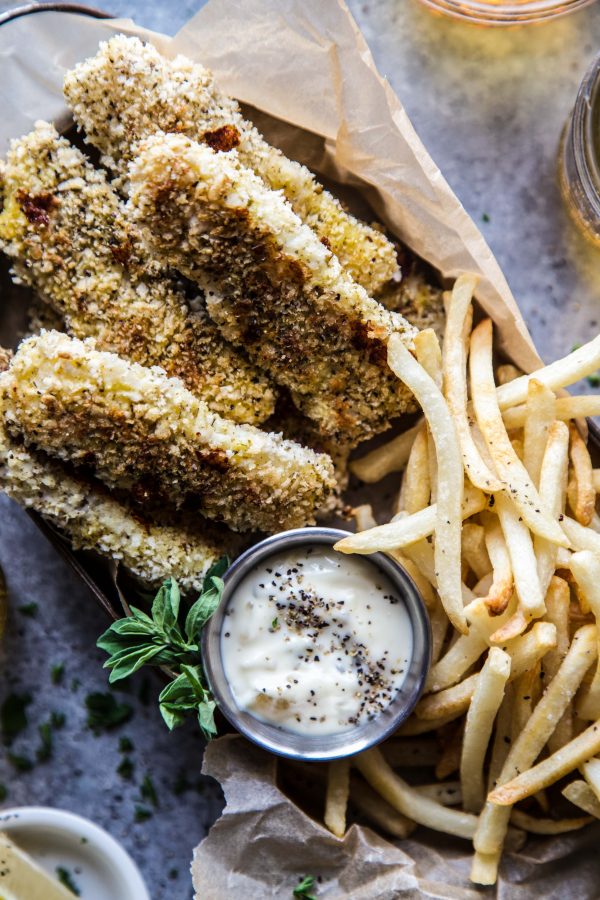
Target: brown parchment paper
306,67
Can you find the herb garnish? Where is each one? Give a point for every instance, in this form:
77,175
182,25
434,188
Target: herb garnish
125,745
161,639
148,791
44,751
125,768
3,792
142,814
13,716
29,609
106,712
20,763
57,672
66,879
303,889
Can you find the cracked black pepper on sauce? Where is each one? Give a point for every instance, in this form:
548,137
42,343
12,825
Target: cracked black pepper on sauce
315,642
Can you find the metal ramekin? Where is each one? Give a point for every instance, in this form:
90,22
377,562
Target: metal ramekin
318,747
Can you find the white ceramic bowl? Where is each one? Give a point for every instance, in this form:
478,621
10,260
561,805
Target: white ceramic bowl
100,867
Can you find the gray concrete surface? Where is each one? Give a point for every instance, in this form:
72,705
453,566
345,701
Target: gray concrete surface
490,107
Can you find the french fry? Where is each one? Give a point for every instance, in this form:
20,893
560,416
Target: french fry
449,761
439,628
484,868
591,772
562,373
524,651
566,408
463,653
421,554
390,457
374,769
506,462
433,468
416,483
547,826
502,736
523,699
557,611
596,472
450,480
515,626
584,502
448,793
336,797
561,763
364,518
553,480
529,744
522,558
580,794
585,566
474,549
429,354
455,382
408,529
501,588
379,811
540,414
483,587
487,697
506,373
580,537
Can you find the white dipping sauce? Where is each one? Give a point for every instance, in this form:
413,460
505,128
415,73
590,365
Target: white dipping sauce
315,642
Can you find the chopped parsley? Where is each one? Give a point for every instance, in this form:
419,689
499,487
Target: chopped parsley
142,814
57,673
66,879
13,716
29,609
148,791
105,712
125,768
125,745
304,889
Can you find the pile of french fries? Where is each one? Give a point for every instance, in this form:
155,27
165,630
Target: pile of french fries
496,522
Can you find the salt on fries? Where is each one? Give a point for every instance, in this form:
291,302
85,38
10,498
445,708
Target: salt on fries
513,593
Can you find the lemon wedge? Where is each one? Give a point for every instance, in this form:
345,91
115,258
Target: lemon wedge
22,879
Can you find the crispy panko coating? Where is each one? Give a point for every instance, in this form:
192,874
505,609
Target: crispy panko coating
417,300
271,285
138,430
93,520
129,91
67,234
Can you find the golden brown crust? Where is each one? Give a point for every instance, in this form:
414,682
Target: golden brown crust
69,238
137,430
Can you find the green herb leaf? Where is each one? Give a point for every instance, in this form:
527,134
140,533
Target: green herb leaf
125,745
29,609
142,814
20,763
148,791
593,380
66,879
57,672
13,716
165,608
106,712
125,768
303,889
57,719
206,718
44,751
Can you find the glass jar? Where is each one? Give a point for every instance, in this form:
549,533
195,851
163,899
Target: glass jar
579,156
506,12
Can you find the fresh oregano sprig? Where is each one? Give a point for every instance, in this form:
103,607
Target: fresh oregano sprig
162,639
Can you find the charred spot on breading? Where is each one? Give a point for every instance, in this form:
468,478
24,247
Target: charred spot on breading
37,207
225,138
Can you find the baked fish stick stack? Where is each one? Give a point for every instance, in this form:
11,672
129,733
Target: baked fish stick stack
93,520
271,285
129,91
68,237
138,430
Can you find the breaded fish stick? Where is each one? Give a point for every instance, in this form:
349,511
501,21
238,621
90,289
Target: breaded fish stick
128,91
68,237
93,520
139,430
271,285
